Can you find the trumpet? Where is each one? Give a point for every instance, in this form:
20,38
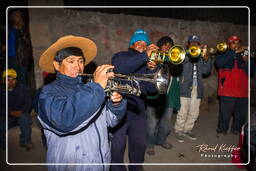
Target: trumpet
175,55
160,79
221,47
196,51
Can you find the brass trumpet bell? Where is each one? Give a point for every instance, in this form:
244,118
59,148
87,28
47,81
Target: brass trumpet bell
176,55
221,47
194,51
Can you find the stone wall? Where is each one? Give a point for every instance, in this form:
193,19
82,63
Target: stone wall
111,33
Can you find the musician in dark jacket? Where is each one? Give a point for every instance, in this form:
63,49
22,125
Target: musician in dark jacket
232,68
135,60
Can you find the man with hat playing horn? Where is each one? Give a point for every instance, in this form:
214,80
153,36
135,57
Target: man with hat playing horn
74,115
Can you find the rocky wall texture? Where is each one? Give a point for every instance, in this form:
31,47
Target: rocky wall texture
112,32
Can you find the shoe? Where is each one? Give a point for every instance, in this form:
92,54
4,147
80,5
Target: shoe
235,132
167,146
27,146
190,135
180,137
150,151
221,134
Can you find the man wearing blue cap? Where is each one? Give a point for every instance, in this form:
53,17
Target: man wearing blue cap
191,90
135,60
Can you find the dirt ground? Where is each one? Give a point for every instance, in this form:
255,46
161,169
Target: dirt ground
179,158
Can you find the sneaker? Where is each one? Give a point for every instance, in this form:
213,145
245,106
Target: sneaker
150,151
167,146
180,137
190,135
27,146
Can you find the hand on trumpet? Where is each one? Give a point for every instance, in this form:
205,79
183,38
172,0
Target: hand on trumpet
116,98
151,65
102,74
151,48
204,52
241,49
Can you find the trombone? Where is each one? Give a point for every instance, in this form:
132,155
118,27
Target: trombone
160,79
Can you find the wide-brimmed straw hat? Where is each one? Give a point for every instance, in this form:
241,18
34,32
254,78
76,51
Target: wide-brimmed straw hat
87,46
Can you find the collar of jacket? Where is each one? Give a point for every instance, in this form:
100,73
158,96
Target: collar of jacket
133,50
68,80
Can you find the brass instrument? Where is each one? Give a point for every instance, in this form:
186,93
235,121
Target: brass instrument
176,55
160,79
194,51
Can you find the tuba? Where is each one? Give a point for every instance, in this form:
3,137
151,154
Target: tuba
160,79
176,55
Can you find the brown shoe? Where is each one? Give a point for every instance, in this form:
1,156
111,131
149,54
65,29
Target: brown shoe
150,151
167,146
27,146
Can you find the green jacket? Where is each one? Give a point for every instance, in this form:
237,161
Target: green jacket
173,94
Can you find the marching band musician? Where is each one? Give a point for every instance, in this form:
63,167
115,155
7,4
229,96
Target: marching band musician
135,60
191,91
74,115
232,86
159,116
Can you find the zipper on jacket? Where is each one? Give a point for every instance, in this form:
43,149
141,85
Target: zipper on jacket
97,130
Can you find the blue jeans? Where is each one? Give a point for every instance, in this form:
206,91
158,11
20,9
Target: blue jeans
158,125
24,122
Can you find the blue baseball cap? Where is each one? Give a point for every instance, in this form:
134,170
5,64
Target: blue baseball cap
139,35
193,38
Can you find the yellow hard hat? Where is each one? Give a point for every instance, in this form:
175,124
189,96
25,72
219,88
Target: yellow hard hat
10,73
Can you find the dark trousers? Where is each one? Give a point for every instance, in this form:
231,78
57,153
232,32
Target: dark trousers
2,132
229,105
24,122
135,129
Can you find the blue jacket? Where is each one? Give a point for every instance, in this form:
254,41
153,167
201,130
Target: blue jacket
132,61
186,78
75,117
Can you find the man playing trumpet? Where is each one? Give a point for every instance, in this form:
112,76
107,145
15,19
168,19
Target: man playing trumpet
135,60
232,86
191,91
74,115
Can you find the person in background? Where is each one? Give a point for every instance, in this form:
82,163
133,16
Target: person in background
19,47
159,114
191,91
232,67
19,107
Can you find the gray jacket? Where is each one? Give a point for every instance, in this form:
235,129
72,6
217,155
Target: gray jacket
186,77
